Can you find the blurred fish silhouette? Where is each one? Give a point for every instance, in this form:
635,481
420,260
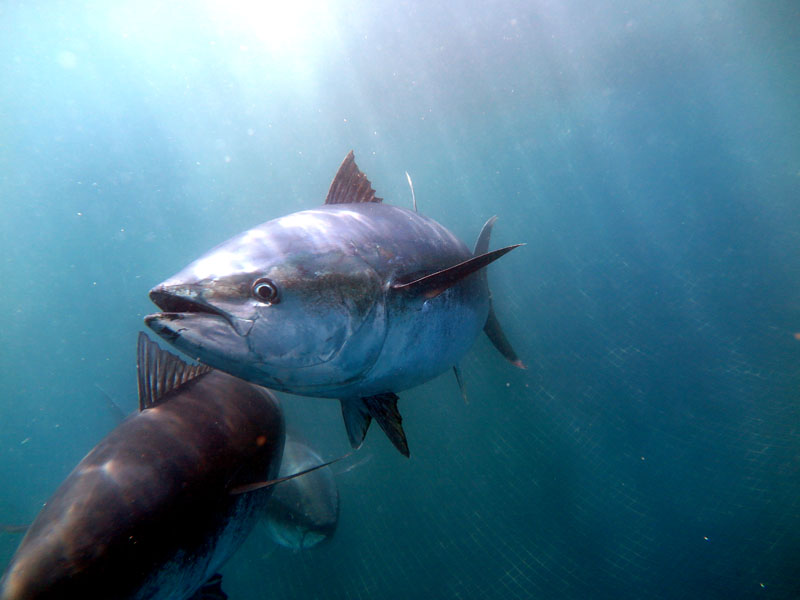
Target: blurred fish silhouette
303,511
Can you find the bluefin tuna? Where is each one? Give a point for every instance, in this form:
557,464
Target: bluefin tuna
303,511
355,300
153,511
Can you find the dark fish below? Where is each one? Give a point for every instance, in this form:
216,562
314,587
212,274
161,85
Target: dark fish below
354,300
149,512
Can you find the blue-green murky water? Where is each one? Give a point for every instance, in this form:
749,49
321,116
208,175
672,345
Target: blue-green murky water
649,155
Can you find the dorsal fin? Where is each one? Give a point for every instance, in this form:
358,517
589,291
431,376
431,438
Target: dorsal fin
434,284
160,372
350,185
482,245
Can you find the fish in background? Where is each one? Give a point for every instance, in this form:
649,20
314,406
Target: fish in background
303,511
154,510
354,300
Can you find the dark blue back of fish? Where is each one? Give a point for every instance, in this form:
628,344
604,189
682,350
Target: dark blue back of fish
148,512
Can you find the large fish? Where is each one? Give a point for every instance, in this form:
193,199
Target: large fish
355,300
304,511
153,510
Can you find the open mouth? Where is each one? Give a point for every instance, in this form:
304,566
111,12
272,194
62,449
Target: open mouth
183,303
170,303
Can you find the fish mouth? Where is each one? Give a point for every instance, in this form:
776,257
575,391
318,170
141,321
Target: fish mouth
170,302
184,302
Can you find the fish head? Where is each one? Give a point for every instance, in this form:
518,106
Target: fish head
277,308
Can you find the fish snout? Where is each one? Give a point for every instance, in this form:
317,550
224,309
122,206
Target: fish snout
189,303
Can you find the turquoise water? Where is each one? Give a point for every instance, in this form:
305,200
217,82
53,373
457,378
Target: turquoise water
648,154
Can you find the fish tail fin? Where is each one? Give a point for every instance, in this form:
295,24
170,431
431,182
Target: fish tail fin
492,327
359,412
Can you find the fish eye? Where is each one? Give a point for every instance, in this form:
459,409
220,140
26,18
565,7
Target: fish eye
264,289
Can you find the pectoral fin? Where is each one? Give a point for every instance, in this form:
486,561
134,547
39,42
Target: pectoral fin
434,284
257,485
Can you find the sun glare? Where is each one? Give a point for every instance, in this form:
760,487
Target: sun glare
293,27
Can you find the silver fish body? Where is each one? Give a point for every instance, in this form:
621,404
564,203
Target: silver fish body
354,300
339,329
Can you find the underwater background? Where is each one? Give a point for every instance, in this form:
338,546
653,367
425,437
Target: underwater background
647,153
